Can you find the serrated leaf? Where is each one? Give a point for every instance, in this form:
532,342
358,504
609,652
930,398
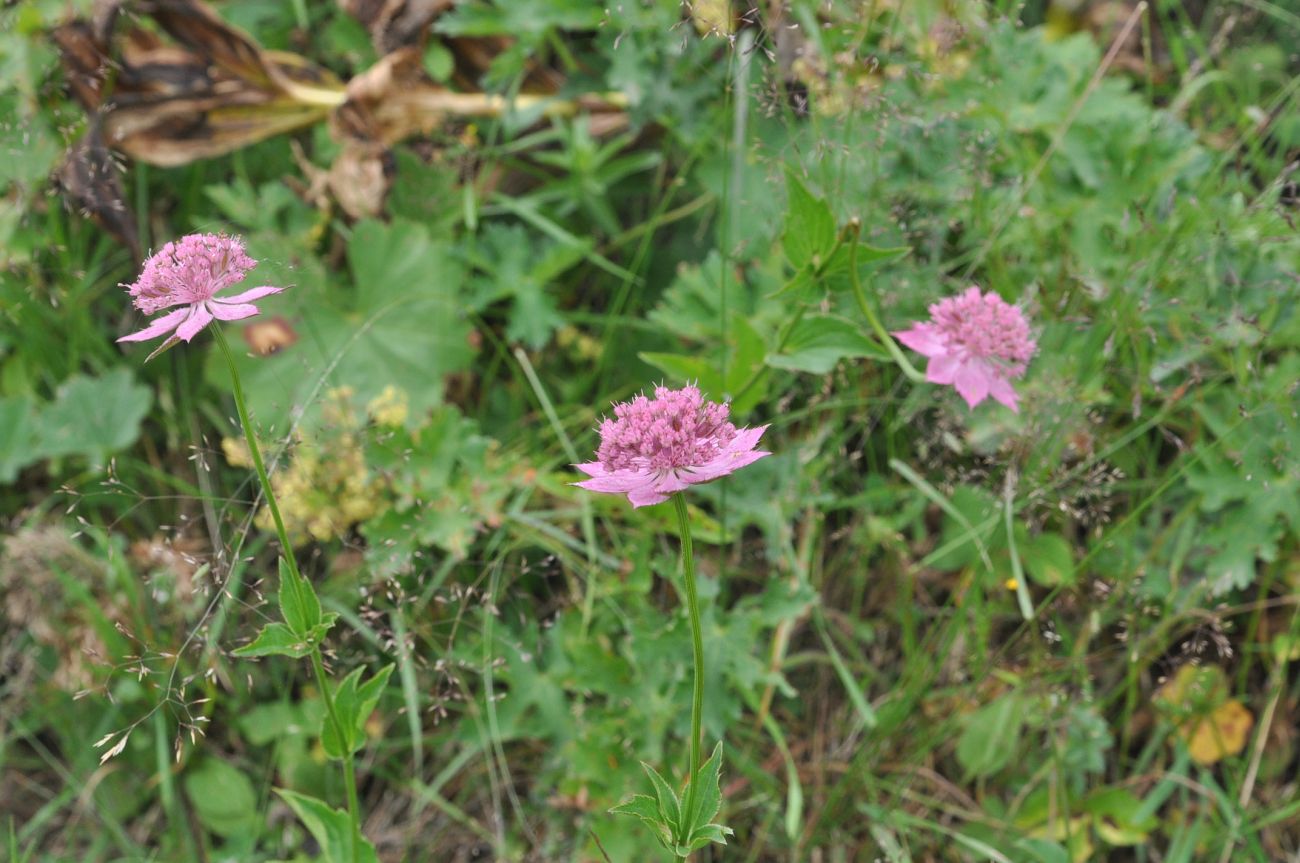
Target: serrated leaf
819,342
744,357
834,273
353,703
670,807
276,639
368,337
298,601
809,226
707,800
646,808
804,278
707,835
331,828
317,633
93,417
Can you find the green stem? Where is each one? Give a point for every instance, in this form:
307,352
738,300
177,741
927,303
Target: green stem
697,642
878,328
349,770
318,667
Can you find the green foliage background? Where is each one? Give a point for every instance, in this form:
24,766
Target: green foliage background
879,689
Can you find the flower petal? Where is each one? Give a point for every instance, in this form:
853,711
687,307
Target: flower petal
728,462
232,311
618,482
925,339
973,382
159,326
943,369
251,294
645,497
592,468
199,318
1002,391
745,439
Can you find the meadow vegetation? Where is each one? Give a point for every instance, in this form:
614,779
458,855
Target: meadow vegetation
931,631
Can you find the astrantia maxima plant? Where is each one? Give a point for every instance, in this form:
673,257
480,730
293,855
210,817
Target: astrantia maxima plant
654,447
187,276
977,342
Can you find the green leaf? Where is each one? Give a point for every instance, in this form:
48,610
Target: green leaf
331,828
834,273
670,808
646,808
298,601
276,639
223,798
809,226
969,524
708,799
744,357
869,254
93,417
521,19
1114,811
819,342
693,306
1049,561
353,703
18,431
697,828
706,835
992,735
518,266
369,336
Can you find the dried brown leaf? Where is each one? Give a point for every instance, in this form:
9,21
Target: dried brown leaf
91,183
395,24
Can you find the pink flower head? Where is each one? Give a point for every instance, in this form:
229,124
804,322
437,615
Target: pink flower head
654,447
977,342
190,273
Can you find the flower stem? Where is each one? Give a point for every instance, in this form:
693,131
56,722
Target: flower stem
881,333
697,642
318,667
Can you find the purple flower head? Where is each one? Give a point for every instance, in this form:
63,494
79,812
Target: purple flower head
190,273
654,447
977,342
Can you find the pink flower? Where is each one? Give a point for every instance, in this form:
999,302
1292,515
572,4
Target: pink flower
657,446
190,273
977,342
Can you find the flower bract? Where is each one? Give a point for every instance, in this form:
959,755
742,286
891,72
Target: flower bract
187,276
977,342
655,446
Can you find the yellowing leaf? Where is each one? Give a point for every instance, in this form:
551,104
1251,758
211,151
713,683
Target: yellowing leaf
711,16
1212,725
1224,732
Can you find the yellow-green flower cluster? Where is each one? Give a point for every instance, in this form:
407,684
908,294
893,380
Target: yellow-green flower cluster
326,489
